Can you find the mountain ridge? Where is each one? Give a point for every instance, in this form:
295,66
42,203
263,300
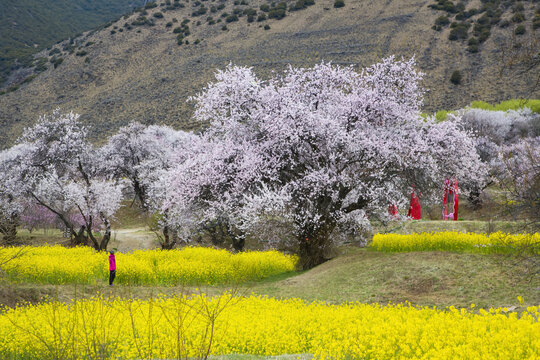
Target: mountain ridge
143,74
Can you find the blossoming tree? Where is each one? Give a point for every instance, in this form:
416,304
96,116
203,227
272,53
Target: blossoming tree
318,148
54,166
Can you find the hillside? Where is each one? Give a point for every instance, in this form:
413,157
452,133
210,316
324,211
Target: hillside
28,26
136,70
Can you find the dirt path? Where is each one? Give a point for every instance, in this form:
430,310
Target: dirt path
126,240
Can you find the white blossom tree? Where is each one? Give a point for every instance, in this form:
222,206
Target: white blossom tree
142,155
11,196
318,147
56,167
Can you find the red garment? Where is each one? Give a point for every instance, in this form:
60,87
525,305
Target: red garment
450,199
392,210
112,262
415,211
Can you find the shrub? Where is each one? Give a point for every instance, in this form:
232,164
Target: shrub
339,3
264,7
520,30
278,12
56,61
473,45
221,6
213,9
456,77
197,41
54,52
224,28
81,53
261,17
158,15
266,27
473,48
200,11
231,18
169,24
536,22
504,24
150,5
442,21
459,31
518,18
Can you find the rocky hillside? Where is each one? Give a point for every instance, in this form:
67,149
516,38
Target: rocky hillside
144,66
28,26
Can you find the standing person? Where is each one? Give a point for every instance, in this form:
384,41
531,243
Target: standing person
112,267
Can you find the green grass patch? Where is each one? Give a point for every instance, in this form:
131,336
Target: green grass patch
514,104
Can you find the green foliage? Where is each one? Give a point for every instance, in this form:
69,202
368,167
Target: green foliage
339,3
514,104
536,22
261,17
460,31
150,5
200,11
266,27
56,61
81,53
473,45
278,12
158,15
456,77
264,7
518,18
301,4
224,28
520,30
142,20
231,18
442,21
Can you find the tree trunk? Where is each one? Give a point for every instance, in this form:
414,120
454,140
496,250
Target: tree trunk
314,246
78,238
238,242
169,239
8,229
107,236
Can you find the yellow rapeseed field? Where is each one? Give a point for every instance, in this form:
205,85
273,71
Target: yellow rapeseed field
102,328
190,265
457,241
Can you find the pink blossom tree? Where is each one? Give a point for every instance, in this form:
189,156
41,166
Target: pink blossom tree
317,147
56,167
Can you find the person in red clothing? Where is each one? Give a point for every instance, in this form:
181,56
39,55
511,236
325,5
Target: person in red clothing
112,267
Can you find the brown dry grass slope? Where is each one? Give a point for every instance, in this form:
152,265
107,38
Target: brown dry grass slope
146,76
